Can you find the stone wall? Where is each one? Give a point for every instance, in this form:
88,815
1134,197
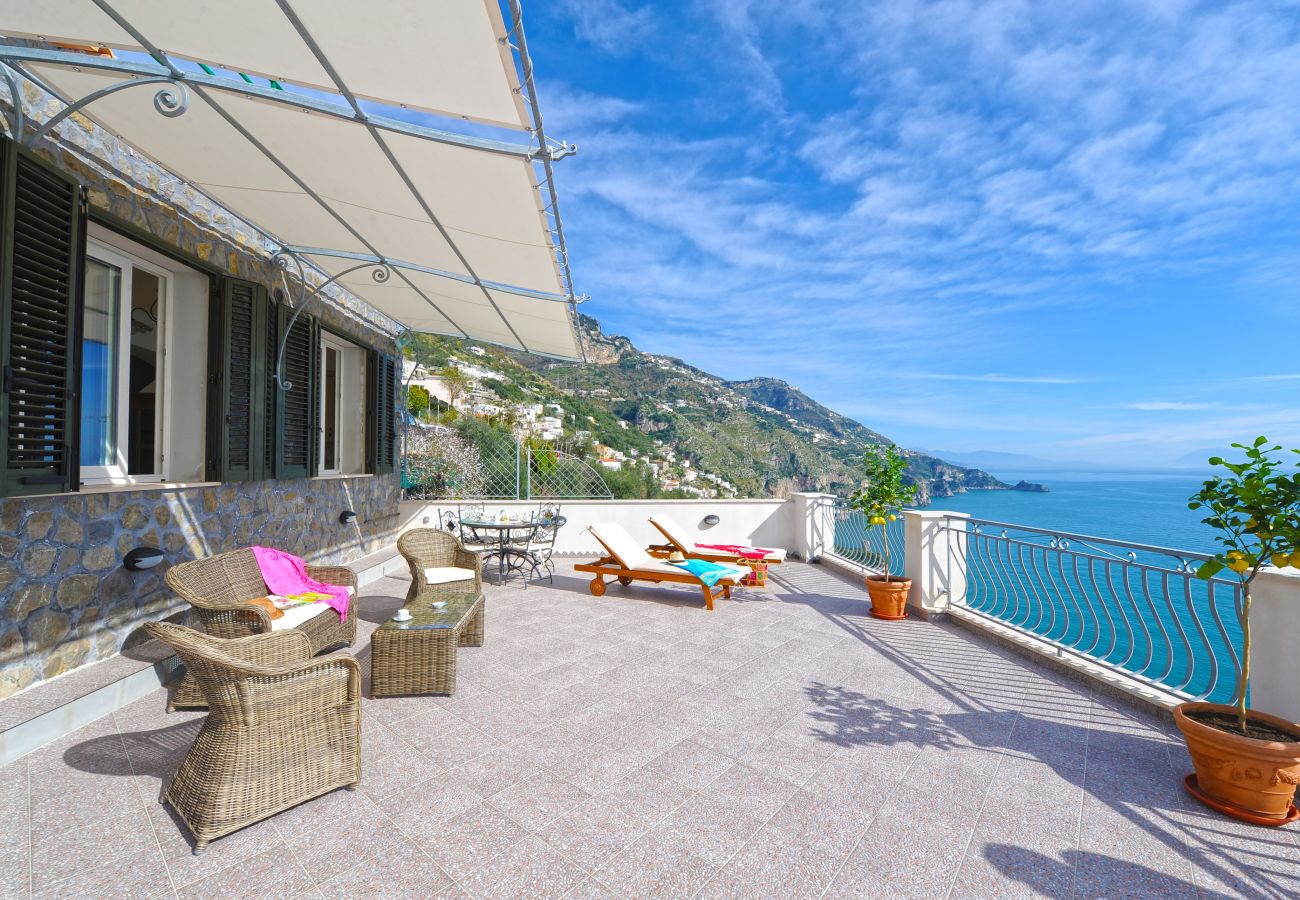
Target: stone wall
65,599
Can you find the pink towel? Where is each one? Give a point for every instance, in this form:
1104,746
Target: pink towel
286,574
737,550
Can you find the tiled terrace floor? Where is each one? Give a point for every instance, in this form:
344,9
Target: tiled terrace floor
634,745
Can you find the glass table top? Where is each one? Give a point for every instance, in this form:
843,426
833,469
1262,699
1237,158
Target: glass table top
457,598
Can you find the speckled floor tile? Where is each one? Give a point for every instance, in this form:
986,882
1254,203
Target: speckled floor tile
402,872
271,874
657,866
785,745
472,840
527,870
537,801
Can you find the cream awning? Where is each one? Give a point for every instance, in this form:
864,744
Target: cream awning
465,223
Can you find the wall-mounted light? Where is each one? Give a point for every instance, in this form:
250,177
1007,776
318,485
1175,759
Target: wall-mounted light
347,517
710,521
142,558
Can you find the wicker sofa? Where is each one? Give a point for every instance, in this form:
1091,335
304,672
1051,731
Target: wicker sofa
219,588
283,727
437,553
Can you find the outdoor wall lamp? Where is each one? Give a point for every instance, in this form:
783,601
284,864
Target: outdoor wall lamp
347,517
142,558
710,521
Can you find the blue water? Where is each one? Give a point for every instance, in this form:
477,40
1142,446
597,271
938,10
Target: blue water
1152,622
1142,508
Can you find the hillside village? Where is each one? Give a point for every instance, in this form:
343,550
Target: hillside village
657,426
549,422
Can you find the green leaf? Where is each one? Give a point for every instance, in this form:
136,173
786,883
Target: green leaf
1209,569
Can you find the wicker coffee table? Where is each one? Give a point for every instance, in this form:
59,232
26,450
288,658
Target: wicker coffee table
418,656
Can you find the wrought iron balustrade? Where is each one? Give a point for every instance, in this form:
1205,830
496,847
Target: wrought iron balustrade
1135,608
864,544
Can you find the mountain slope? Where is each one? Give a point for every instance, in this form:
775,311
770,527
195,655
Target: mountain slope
761,434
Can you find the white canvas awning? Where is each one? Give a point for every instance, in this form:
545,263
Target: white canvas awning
466,224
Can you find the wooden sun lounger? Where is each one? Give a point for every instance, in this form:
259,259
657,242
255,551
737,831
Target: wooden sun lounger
676,539
627,562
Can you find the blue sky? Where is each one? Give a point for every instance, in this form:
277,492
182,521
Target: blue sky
1071,230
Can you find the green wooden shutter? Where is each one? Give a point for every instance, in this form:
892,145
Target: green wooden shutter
382,373
42,254
270,445
297,437
243,340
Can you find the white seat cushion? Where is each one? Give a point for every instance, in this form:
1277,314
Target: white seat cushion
296,615
447,574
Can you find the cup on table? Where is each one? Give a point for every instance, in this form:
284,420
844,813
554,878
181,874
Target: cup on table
403,615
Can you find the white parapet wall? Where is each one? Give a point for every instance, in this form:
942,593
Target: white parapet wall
1275,643
798,525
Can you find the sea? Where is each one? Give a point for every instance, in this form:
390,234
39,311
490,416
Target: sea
1139,507
1148,508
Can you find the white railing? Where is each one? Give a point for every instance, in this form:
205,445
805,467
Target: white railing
1135,608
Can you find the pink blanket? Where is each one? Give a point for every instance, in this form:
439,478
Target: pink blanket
737,550
286,574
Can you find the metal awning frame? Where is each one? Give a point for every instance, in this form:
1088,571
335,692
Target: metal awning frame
173,99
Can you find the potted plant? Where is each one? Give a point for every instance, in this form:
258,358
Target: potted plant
880,500
1247,762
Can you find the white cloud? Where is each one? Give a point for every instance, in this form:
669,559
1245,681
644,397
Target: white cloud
610,25
996,378
972,166
1169,406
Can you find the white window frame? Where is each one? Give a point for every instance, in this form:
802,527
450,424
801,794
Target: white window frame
340,347
127,263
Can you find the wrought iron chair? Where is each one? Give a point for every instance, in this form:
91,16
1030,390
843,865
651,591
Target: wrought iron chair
470,538
541,547
283,727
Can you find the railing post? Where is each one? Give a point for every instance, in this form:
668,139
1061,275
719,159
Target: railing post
935,559
814,524
1275,635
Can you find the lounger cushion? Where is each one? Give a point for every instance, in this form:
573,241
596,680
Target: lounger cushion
684,542
622,546
447,574
632,556
674,532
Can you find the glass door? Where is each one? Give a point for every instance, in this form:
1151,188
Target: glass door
122,368
330,386
99,355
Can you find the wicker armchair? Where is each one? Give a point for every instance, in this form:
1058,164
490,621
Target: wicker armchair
219,588
430,548
283,727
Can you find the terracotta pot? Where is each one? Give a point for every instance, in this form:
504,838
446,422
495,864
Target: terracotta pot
888,598
1247,778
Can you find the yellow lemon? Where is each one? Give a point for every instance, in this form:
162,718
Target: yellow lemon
1281,560
1239,565
1295,559
893,518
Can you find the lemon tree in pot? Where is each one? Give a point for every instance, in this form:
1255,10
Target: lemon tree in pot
1247,762
880,501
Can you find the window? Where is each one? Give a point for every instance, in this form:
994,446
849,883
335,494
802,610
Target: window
143,326
342,382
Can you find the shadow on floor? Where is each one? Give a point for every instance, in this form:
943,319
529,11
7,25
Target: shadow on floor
850,719
1107,876
1128,769
155,752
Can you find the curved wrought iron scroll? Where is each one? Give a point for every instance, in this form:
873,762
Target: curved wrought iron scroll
380,273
